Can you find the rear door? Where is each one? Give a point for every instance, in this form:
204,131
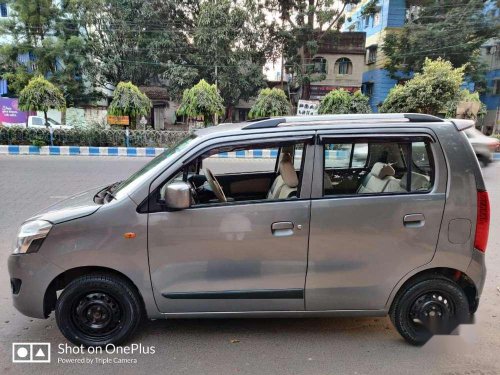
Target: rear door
361,245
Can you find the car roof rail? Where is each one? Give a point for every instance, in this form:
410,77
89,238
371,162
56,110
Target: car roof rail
276,121
266,123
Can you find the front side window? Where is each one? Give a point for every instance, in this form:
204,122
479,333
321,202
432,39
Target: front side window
377,167
242,173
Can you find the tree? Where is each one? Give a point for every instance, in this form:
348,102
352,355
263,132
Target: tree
360,103
41,95
40,39
270,102
457,29
305,24
129,101
133,40
342,102
427,92
202,99
465,96
231,42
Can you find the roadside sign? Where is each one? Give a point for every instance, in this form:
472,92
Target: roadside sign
307,107
118,120
10,113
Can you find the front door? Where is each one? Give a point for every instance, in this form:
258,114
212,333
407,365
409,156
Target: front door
367,236
244,255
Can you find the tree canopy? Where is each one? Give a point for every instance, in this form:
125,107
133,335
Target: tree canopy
39,39
270,102
128,100
451,29
429,91
343,102
202,99
41,95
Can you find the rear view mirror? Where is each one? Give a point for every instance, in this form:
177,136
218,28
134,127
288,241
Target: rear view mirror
177,195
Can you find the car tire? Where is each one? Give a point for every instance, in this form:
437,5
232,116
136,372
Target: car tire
434,305
98,309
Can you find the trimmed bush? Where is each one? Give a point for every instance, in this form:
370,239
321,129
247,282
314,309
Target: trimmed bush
89,137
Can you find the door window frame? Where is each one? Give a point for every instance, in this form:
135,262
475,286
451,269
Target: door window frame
151,205
345,138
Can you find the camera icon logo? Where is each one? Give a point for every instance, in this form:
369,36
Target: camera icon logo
31,352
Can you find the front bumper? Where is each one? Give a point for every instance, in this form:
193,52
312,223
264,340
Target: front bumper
31,274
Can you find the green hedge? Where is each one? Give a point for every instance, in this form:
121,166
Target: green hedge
89,137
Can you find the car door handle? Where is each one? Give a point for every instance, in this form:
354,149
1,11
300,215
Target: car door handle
414,220
282,228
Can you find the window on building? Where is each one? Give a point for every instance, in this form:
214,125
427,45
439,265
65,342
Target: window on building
319,64
3,10
343,66
376,19
496,87
366,21
371,56
367,89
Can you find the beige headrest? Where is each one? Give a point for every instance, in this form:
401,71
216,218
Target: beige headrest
418,181
382,170
287,171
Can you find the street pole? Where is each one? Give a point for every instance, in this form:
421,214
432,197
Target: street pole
216,117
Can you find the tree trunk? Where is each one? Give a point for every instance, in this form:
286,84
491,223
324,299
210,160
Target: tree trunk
306,85
46,118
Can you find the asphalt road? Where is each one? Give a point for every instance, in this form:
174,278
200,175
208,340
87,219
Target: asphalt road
253,346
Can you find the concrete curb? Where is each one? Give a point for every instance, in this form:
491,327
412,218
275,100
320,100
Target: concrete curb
80,150
145,151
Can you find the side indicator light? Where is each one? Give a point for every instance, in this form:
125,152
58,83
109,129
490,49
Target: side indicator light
129,235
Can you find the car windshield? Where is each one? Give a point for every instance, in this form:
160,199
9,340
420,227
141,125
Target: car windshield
184,143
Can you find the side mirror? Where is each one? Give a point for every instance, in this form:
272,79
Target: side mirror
177,195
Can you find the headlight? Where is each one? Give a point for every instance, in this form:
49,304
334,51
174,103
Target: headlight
31,236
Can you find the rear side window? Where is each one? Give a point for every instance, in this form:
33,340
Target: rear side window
384,166
37,121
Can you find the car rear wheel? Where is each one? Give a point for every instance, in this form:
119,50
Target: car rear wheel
98,309
430,306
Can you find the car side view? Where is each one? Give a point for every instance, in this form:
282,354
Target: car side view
314,216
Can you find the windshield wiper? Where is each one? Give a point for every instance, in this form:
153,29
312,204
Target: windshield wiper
109,190
102,196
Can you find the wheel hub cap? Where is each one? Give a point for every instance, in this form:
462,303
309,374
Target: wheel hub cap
97,314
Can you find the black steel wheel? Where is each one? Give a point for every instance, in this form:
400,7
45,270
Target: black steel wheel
427,307
97,310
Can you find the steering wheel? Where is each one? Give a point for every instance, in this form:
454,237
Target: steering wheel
214,184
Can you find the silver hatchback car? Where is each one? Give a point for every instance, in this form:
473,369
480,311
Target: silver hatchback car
342,215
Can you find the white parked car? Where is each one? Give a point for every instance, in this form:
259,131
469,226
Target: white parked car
483,146
39,122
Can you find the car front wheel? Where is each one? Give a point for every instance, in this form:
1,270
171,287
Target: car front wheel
430,306
98,309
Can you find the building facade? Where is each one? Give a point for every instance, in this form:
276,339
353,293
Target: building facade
4,14
339,63
490,53
388,16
